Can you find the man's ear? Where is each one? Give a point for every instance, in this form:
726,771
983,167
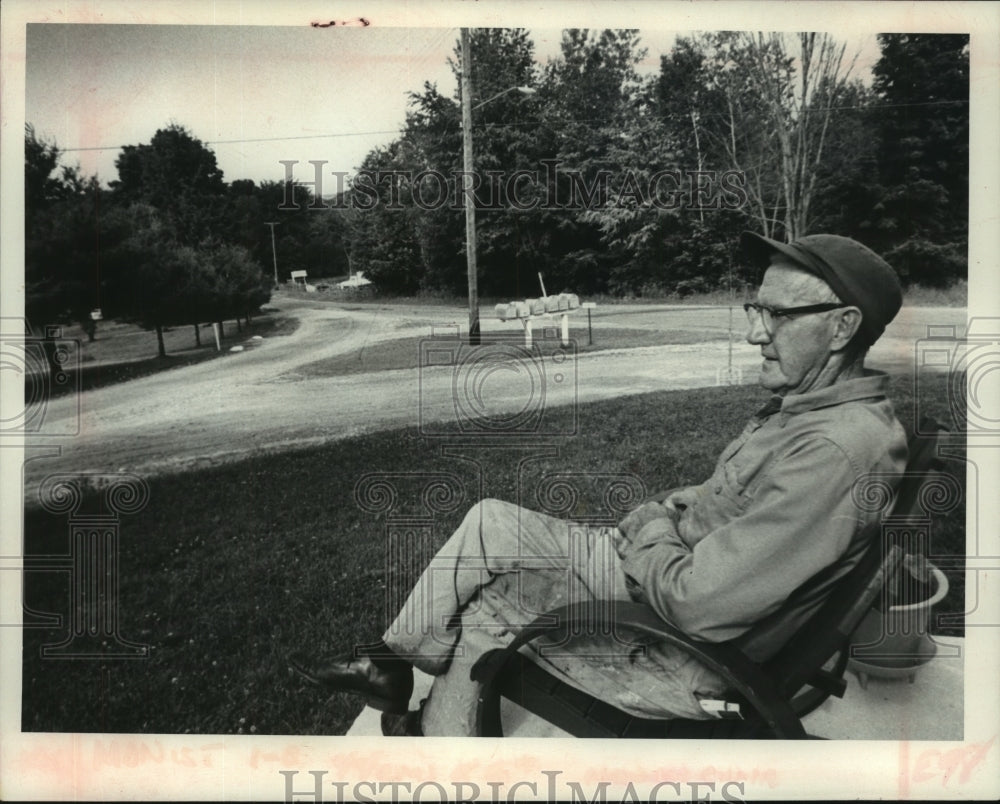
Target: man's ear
847,323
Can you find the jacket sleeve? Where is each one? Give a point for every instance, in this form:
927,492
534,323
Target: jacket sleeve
801,519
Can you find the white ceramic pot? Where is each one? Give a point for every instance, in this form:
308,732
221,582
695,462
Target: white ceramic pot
895,644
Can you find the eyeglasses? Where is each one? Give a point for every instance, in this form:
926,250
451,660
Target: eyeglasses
769,315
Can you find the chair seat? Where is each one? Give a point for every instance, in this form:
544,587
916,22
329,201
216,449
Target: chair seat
583,715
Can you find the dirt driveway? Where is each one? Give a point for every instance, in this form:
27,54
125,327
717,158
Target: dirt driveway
252,401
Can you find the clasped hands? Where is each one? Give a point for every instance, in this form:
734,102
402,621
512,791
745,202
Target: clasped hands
636,519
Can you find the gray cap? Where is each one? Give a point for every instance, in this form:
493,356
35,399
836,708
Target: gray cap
858,275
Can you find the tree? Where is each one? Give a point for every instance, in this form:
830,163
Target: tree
412,238
594,103
307,237
161,283
155,277
847,178
682,96
41,157
922,85
62,255
163,247
821,85
177,175
760,104
235,286
385,238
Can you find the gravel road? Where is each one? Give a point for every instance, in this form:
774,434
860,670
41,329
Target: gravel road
253,401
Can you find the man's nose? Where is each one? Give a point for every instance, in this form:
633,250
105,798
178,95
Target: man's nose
756,334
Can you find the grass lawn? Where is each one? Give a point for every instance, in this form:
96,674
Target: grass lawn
404,353
228,569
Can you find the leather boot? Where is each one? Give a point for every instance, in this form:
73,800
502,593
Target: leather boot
386,686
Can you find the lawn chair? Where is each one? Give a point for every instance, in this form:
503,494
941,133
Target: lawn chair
766,700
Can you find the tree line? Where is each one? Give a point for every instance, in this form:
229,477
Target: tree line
804,144
165,245
604,181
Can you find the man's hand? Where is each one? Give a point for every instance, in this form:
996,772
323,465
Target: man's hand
621,542
682,498
638,518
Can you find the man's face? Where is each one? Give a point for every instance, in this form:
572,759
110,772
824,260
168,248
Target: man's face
798,347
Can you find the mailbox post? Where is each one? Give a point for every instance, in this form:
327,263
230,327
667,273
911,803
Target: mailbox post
590,332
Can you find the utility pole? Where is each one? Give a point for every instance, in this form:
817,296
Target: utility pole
467,184
274,251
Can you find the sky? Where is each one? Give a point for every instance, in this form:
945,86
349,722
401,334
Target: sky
312,93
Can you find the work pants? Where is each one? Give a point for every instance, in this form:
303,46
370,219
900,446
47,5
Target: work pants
504,566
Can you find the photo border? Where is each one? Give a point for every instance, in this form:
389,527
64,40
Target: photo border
158,767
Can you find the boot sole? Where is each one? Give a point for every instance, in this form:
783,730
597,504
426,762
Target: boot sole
387,705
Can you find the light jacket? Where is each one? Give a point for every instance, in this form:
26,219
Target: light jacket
775,526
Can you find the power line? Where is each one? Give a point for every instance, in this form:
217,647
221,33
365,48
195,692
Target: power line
511,125
430,52
260,139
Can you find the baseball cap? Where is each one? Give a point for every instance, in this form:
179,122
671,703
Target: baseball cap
858,275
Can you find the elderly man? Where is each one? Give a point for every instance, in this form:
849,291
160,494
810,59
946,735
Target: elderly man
749,554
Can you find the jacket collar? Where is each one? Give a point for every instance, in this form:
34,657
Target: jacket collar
873,385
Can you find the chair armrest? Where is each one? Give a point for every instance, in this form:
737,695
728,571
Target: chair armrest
742,674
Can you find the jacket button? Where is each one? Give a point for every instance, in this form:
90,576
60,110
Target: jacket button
718,488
